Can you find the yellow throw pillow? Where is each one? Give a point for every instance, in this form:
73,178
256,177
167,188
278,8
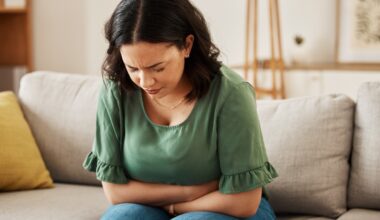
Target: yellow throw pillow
21,164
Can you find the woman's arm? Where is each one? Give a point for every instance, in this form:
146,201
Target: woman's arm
241,205
155,194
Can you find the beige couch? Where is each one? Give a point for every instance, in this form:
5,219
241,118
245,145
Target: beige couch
326,150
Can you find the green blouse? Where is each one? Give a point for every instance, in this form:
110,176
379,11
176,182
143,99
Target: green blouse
221,139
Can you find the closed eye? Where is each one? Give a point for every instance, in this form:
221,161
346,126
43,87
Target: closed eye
131,70
159,70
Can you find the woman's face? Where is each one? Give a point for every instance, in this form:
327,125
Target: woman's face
157,68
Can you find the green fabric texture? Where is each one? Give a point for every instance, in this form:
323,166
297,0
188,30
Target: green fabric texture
221,139
105,171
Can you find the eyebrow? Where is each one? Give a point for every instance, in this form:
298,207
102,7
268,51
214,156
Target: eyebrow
147,67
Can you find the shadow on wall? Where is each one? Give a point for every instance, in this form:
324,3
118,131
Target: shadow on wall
10,78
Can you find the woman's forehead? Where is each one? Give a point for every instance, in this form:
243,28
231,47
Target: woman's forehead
143,54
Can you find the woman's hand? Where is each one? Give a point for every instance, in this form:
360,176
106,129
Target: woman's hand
197,191
240,205
194,192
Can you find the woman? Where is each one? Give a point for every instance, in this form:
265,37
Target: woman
177,133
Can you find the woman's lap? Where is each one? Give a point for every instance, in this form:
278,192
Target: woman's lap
144,212
264,212
134,211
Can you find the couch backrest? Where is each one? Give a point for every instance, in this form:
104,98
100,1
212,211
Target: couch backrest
364,188
61,109
308,140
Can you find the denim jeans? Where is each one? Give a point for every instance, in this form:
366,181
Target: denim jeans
131,211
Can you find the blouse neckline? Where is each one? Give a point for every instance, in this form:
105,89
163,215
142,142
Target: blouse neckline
186,121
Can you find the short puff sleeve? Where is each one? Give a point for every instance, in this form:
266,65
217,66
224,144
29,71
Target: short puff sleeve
243,159
105,157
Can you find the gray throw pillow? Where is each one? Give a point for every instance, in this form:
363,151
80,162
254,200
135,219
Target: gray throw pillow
364,188
308,141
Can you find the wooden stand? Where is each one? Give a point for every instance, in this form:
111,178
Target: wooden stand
276,64
16,37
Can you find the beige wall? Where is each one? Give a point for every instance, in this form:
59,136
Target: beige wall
68,37
313,19
97,13
59,35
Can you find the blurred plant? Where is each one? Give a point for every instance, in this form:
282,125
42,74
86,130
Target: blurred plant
298,39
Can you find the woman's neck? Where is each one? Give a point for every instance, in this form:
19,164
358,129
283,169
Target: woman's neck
183,88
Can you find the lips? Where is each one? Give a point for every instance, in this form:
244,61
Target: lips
152,91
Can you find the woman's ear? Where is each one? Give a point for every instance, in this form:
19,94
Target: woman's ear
188,44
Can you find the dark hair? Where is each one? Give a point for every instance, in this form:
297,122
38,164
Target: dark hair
158,21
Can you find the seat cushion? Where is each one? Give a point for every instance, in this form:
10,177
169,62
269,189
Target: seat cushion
364,187
60,203
60,109
362,214
308,140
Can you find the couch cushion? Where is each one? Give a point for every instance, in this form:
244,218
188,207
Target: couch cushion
62,202
301,217
364,188
21,164
60,109
308,140
362,214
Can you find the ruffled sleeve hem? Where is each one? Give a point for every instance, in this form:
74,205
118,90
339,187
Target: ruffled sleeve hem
104,172
247,180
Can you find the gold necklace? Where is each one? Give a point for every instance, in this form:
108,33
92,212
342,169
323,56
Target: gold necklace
170,107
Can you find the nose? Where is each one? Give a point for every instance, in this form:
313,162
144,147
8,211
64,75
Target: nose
146,81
